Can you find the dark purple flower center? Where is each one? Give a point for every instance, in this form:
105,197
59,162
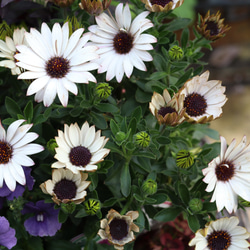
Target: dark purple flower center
57,67
195,104
224,171
123,42
65,189
166,110
219,240
212,27
160,2
118,228
5,152
80,156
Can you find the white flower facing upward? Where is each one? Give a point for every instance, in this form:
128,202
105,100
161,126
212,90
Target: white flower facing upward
222,234
228,175
80,149
8,50
15,147
56,62
122,46
66,186
203,99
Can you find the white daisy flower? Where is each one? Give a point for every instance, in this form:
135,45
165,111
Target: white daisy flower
122,46
162,5
15,147
222,234
228,175
80,149
56,62
8,50
203,99
66,186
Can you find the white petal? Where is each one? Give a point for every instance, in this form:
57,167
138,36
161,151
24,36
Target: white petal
37,85
50,92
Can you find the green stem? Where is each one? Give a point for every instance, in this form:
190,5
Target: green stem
127,205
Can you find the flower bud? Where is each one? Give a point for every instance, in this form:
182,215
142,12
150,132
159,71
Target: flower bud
184,159
92,206
103,90
142,139
149,187
120,136
51,145
176,53
195,205
74,24
5,30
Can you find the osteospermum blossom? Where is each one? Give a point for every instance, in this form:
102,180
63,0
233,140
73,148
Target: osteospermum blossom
118,229
8,50
203,99
162,5
166,109
15,147
228,175
56,62
66,186
80,149
223,234
212,26
122,46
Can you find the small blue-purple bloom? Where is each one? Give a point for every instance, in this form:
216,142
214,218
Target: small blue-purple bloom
5,192
45,219
7,234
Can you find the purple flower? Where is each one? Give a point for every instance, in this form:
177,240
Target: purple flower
7,234
44,222
5,192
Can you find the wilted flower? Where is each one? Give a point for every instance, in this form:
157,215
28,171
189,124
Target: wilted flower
203,99
228,175
7,234
15,147
62,3
212,26
221,234
80,149
121,44
184,159
56,62
8,50
118,229
45,219
66,187
162,5
167,110
94,7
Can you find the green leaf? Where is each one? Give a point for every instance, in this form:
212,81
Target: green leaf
179,23
99,120
142,97
132,126
193,222
125,180
107,107
81,213
184,77
28,111
114,127
184,37
12,107
159,197
110,202
137,114
168,214
183,193
163,140
146,154
138,197
62,217
158,75
75,112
